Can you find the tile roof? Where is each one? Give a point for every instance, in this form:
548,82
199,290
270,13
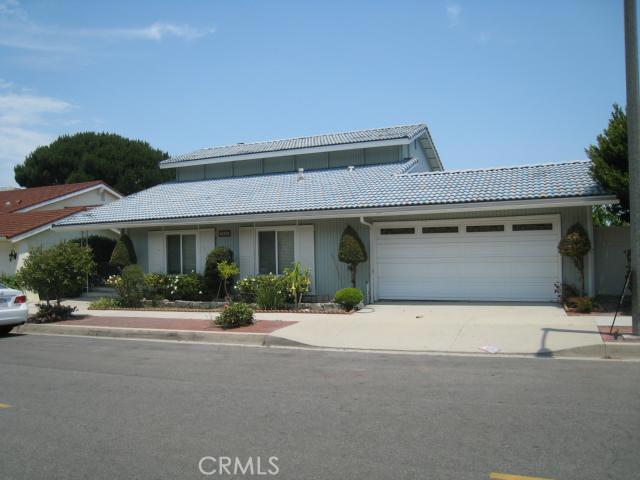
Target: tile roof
19,198
364,187
374,135
16,223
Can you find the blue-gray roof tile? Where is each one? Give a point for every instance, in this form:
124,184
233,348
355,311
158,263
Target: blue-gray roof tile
331,139
367,186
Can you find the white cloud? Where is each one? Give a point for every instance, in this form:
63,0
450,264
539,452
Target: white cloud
18,31
24,118
453,12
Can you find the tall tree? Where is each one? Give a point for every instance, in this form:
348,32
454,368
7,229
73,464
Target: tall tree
611,167
127,165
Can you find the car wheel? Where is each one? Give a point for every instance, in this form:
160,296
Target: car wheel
5,329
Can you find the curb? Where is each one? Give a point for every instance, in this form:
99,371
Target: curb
596,351
255,339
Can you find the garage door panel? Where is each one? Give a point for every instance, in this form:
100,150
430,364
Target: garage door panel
468,266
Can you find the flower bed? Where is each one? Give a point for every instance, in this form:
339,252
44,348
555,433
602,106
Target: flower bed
190,306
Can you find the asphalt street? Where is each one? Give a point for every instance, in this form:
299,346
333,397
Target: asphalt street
83,408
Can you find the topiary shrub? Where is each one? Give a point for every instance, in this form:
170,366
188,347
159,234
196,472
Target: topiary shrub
237,314
131,287
120,256
576,245
348,298
351,251
212,279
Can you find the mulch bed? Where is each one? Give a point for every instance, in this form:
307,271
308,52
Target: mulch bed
260,326
625,331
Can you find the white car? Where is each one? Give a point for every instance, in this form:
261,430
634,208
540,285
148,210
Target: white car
13,309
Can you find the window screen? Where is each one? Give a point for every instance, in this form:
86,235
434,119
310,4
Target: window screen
485,228
397,231
285,250
267,252
452,229
530,227
173,254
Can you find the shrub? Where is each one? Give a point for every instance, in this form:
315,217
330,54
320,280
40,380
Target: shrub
576,245
213,282
123,253
298,281
104,303
56,272
227,270
185,287
237,314
47,313
351,251
270,292
565,290
158,285
131,287
9,281
584,304
348,298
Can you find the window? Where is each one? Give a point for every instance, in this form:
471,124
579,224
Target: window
275,251
397,231
181,253
452,229
485,228
530,227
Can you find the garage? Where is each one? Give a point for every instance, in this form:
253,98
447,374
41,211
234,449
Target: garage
486,259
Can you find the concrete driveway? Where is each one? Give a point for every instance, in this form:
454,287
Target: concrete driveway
450,327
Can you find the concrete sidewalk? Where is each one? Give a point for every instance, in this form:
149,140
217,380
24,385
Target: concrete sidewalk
536,329
524,329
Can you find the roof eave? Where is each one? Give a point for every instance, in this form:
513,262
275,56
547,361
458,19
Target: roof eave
556,202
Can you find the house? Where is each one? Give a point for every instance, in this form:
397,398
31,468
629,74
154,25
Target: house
431,234
27,215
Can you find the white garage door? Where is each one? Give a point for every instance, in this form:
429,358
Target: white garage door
500,259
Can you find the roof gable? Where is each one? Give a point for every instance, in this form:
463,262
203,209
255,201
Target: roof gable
15,223
20,198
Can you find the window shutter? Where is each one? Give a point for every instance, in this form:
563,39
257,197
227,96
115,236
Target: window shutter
206,243
304,250
155,252
247,253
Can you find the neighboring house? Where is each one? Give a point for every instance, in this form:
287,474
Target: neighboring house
27,214
486,234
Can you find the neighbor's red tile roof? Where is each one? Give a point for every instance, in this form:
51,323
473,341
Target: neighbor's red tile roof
19,198
12,224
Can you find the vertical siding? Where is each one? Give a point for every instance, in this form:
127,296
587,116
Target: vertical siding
609,248
331,274
279,164
344,158
247,167
312,161
218,170
190,173
383,154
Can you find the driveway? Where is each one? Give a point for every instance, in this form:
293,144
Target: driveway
449,327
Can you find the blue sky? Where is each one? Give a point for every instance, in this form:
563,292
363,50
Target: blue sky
498,82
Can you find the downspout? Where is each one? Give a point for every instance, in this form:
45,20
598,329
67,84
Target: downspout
370,282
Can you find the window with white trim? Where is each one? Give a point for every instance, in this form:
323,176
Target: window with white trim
275,251
181,253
